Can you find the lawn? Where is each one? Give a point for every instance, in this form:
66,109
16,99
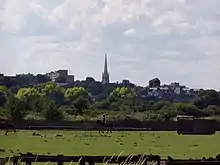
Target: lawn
92,143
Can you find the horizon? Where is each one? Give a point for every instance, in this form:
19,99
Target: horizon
175,40
117,81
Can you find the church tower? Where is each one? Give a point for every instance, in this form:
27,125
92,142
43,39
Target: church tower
105,74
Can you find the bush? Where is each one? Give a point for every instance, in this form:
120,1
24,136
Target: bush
81,104
101,105
3,113
212,110
16,109
160,105
52,112
180,109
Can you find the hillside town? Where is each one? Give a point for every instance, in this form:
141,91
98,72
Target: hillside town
154,91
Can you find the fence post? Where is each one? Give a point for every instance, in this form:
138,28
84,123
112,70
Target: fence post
60,161
91,162
81,162
3,161
15,160
29,162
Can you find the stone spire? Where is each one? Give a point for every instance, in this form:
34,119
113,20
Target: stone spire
105,74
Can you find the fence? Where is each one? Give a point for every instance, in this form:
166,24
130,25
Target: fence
92,125
80,125
91,160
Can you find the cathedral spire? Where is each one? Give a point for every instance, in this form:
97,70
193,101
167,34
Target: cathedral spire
105,74
106,65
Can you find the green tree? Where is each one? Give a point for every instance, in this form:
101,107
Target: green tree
188,109
27,93
175,109
121,93
26,79
79,98
212,110
54,92
90,80
207,97
95,88
158,105
16,109
104,104
127,84
3,96
72,94
81,104
51,112
30,97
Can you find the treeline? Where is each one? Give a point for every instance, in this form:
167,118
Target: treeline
53,102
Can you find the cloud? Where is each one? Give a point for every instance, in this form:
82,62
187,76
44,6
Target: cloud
130,32
175,40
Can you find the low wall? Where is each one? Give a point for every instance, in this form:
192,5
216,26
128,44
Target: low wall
153,125
133,124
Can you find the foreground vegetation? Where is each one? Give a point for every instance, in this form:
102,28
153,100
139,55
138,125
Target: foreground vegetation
126,143
49,101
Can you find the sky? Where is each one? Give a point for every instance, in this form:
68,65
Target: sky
175,40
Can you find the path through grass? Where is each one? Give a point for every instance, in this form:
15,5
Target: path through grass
92,143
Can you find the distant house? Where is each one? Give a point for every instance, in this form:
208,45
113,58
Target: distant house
55,75
174,91
1,79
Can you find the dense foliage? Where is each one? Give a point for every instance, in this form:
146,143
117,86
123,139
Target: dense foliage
89,99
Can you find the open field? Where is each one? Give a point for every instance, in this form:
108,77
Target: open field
91,143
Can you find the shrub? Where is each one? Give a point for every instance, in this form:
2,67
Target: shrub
212,110
51,112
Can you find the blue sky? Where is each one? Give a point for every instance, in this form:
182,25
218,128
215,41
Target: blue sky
175,40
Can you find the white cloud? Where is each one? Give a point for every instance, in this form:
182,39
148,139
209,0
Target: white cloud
175,40
130,32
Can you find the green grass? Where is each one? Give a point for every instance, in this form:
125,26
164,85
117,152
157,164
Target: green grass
92,143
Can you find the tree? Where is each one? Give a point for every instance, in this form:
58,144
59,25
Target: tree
127,84
27,93
160,105
72,94
95,88
30,98
16,109
89,80
6,81
42,78
207,97
25,79
105,104
3,96
54,92
81,104
51,112
188,109
154,83
122,92
212,110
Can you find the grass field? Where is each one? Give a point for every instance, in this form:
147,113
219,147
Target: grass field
92,143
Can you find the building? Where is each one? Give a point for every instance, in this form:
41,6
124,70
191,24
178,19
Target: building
105,74
2,79
70,79
54,75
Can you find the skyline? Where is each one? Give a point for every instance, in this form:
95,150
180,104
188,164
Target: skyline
174,40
